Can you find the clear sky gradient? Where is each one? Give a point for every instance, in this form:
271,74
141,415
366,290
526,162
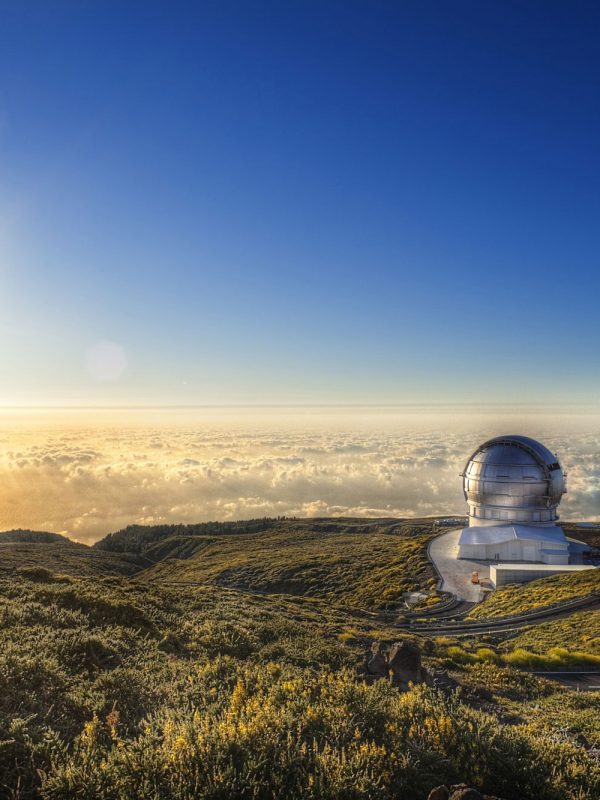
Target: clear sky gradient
299,202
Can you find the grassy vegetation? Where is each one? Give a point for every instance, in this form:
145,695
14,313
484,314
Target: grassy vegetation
566,714
19,549
557,658
590,535
21,535
113,689
115,686
554,658
143,539
514,599
577,632
362,564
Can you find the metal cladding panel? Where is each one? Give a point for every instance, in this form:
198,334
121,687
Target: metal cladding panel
513,478
504,454
545,455
482,536
473,551
554,534
496,534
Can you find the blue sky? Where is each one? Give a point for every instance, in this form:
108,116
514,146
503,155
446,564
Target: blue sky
299,202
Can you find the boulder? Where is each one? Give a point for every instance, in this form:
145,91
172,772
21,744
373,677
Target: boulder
377,661
401,660
459,791
440,679
463,792
404,662
439,793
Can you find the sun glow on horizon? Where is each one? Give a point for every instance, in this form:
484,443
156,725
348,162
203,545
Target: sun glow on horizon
86,473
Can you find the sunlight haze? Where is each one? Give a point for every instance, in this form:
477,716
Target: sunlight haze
88,473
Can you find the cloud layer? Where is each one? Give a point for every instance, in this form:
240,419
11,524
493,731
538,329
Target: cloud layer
87,479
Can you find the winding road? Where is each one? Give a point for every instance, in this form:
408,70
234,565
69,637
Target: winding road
457,625
450,620
450,617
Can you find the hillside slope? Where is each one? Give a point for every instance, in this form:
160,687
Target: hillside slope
23,535
514,598
359,563
21,549
111,690
230,661
141,539
363,563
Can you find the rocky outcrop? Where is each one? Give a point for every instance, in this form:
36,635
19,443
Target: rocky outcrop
401,661
377,663
459,791
464,792
404,662
439,793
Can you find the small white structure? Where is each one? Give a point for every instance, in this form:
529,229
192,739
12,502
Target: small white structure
514,543
501,574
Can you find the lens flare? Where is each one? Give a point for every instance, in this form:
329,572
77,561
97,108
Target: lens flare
105,360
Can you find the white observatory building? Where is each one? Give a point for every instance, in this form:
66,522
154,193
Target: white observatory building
513,485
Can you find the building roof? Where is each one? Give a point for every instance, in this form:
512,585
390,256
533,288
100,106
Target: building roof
495,534
516,567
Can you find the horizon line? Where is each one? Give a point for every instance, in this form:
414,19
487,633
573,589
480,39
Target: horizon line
415,404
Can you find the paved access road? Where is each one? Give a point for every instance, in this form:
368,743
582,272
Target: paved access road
455,573
581,681
458,626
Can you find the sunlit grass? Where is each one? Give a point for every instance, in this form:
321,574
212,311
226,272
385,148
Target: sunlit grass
113,687
348,562
537,594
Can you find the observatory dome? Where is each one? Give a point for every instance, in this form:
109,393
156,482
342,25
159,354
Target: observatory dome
513,479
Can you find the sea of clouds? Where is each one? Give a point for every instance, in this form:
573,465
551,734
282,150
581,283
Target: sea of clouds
88,474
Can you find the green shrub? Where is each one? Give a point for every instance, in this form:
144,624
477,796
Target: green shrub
282,734
42,575
488,655
557,658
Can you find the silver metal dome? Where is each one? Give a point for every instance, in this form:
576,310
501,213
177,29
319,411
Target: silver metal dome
513,479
